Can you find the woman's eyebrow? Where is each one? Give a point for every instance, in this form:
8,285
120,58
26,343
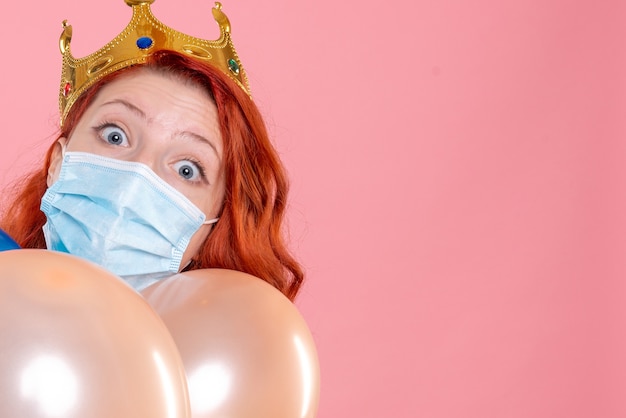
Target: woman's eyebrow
128,105
199,138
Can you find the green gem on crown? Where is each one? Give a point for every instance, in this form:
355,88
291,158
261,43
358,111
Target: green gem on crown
233,66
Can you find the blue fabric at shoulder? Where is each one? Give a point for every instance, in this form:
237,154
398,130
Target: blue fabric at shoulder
6,242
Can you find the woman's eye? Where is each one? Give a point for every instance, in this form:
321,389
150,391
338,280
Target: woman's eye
114,135
189,170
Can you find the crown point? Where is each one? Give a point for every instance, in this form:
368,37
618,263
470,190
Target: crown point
66,37
132,3
221,18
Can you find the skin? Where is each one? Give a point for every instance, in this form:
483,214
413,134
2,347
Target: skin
164,123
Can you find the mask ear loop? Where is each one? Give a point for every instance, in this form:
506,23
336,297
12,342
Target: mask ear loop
209,222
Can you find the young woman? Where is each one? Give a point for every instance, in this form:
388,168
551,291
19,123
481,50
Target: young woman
162,164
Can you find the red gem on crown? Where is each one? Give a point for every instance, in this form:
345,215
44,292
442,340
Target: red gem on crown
67,89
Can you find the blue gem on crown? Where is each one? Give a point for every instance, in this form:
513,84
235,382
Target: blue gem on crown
144,42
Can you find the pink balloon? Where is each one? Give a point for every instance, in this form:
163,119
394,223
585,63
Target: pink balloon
76,341
246,349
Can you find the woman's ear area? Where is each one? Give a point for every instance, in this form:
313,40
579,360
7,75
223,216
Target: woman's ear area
55,160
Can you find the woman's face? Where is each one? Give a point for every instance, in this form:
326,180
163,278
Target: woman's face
159,121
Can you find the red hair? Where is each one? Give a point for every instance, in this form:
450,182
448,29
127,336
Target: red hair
249,235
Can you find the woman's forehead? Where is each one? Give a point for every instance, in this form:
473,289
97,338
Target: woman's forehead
136,80
155,94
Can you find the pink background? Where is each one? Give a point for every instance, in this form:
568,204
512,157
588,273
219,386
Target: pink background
458,187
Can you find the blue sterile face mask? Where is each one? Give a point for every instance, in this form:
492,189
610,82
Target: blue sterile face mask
121,216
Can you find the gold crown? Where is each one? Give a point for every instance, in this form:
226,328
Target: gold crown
144,35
